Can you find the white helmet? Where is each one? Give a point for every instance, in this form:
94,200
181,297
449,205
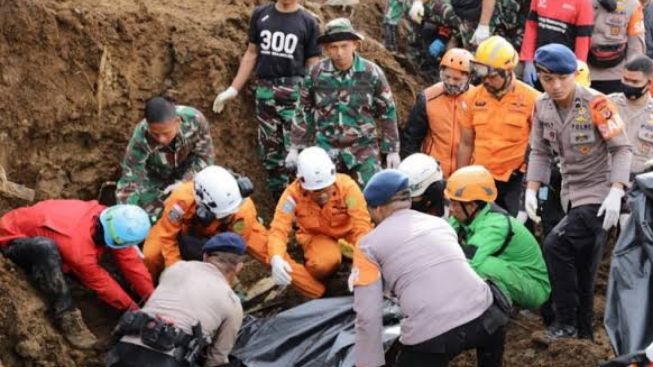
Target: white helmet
422,171
315,170
218,190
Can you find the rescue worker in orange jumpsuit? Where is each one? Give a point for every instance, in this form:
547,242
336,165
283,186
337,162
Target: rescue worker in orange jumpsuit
434,121
495,132
330,212
214,202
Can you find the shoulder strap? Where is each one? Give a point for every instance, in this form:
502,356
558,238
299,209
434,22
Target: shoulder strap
509,235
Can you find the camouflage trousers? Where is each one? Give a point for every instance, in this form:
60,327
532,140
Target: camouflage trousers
507,21
148,196
359,164
394,11
276,101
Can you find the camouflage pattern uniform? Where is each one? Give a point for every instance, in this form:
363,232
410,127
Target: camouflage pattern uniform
276,101
337,113
394,11
148,168
508,20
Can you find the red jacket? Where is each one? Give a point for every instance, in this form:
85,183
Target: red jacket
569,22
70,223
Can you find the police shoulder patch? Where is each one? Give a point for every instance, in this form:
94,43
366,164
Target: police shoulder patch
238,226
176,214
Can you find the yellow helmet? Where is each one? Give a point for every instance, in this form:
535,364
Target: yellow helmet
457,59
497,53
471,183
583,76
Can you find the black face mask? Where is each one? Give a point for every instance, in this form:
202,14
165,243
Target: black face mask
633,93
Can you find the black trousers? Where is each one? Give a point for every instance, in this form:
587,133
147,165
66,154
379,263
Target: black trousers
40,258
573,251
510,192
486,333
607,86
131,355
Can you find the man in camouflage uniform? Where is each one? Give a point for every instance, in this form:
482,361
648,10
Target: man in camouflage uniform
341,97
394,11
282,44
170,145
473,21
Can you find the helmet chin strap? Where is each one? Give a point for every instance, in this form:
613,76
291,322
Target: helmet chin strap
471,216
499,93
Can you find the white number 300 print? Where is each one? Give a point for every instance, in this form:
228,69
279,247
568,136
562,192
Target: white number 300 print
279,41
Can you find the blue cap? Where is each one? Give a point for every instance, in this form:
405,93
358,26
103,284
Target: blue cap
384,185
556,59
225,242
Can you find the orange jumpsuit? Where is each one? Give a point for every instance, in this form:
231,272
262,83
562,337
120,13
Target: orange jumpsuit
161,248
501,128
345,216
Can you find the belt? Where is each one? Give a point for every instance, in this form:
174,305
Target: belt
286,80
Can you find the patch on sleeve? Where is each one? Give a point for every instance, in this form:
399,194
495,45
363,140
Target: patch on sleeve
239,226
364,270
289,205
176,214
351,202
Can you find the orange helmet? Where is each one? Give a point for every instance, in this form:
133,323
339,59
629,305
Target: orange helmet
471,183
457,59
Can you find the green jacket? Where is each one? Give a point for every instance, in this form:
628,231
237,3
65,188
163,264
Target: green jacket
500,248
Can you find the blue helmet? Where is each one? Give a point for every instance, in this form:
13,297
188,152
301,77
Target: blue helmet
124,226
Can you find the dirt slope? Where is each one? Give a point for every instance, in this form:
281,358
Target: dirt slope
74,75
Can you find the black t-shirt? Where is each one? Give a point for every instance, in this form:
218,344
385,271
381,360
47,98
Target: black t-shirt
284,40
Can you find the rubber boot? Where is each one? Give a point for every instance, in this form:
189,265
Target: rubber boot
75,331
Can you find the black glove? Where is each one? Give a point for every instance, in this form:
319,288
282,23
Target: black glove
609,5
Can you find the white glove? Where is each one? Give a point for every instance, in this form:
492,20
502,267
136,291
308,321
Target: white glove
649,353
392,160
280,271
522,217
530,203
353,277
171,187
416,12
222,98
611,207
291,158
481,33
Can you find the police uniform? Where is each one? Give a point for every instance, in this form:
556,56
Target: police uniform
639,128
618,35
594,153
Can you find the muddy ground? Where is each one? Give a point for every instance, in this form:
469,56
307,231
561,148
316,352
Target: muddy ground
74,75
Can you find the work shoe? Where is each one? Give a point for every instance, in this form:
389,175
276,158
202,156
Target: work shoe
556,332
75,331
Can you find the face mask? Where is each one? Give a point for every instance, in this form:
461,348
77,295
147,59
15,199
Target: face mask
633,93
454,89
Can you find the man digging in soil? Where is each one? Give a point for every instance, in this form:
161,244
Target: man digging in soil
171,145
57,236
